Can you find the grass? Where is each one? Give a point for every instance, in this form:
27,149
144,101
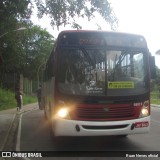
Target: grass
7,99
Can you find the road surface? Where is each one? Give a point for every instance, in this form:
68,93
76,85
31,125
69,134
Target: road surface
33,135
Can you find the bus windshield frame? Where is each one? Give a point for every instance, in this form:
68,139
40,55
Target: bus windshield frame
113,84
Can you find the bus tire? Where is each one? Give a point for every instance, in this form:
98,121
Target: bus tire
45,115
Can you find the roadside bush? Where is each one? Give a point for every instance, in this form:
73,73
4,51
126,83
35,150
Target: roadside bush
7,99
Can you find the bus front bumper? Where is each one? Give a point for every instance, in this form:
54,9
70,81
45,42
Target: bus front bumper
64,127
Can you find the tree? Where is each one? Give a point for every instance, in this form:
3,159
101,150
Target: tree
14,14
63,12
25,52
32,49
37,45
158,52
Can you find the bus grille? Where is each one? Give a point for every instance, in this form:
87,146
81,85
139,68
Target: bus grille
104,112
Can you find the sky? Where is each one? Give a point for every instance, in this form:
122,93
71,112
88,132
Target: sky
134,16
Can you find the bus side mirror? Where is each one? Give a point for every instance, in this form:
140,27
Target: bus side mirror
152,67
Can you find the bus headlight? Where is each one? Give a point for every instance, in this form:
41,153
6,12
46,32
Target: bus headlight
63,113
145,109
145,112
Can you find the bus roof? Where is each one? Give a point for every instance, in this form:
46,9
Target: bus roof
101,38
99,31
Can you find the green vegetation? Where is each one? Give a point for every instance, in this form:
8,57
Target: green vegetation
65,12
155,97
7,100
26,58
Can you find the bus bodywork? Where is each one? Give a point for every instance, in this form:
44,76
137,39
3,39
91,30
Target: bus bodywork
98,83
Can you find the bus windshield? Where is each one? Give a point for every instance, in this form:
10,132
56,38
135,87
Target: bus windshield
100,71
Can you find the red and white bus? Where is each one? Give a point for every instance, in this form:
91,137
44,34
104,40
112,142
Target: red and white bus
97,83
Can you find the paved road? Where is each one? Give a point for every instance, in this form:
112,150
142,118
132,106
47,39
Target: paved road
33,135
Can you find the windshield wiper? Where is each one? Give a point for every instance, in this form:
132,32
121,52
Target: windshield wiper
117,65
87,56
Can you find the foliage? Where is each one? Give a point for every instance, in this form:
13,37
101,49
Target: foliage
7,99
158,52
63,12
37,44
21,51
14,12
27,99
15,15
157,80
155,84
155,97
25,52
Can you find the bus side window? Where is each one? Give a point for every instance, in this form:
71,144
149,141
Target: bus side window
47,72
44,75
50,66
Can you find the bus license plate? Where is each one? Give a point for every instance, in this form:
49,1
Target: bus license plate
141,124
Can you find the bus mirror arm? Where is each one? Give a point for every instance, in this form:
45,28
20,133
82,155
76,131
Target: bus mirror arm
152,67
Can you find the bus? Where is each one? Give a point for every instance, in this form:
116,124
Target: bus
97,83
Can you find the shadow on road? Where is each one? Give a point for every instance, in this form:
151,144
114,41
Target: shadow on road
106,143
